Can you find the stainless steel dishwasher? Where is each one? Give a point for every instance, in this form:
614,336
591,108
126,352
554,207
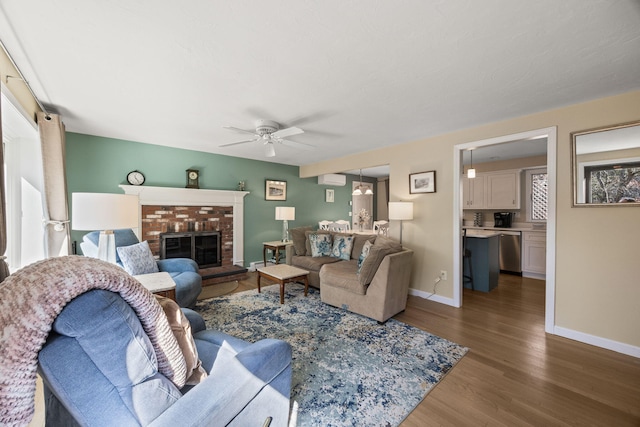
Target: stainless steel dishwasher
510,259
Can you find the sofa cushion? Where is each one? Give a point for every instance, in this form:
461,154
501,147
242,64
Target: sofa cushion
343,275
382,247
363,255
359,241
137,259
299,239
320,244
306,236
311,263
342,245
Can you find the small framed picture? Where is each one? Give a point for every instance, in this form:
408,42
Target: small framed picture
422,182
275,190
328,195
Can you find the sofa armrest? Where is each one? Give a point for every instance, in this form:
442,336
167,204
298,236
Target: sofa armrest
195,320
289,252
235,380
177,265
391,281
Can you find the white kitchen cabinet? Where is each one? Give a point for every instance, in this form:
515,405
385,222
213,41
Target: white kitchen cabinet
503,190
473,191
534,254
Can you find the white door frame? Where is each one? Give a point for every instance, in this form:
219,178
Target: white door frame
551,134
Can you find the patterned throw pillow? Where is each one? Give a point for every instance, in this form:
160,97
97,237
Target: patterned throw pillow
363,255
137,259
342,246
320,244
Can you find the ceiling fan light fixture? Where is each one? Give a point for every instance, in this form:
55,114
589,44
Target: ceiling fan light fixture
270,150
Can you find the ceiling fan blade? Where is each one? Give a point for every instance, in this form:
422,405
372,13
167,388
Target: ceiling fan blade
296,144
240,130
283,133
237,143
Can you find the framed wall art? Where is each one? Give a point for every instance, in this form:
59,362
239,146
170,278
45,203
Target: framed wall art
422,182
329,195
275,190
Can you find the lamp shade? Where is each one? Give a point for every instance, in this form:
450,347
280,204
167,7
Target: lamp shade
104,211
285,213
400,210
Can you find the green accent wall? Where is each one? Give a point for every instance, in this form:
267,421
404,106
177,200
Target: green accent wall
96,164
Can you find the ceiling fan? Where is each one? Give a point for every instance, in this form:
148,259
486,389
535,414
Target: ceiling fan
269,133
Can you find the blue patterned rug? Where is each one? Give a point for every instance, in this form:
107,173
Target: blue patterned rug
347,369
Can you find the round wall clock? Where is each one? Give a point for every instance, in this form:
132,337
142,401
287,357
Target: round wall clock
135,178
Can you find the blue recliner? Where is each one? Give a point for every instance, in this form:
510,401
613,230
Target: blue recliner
99,369
184,271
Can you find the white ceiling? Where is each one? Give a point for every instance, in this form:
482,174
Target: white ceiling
355,75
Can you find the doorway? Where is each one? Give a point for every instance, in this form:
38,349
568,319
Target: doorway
551,136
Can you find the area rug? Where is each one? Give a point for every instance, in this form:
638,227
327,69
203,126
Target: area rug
347,369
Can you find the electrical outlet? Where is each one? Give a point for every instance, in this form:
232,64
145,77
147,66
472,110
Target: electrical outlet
443,274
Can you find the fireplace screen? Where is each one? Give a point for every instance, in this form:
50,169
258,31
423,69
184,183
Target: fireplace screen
203,247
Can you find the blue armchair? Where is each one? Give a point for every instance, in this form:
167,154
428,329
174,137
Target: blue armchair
99,369
184,271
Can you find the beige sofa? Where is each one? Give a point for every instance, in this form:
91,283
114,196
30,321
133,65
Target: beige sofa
379,290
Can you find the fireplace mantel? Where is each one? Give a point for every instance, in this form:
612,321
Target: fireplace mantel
170,196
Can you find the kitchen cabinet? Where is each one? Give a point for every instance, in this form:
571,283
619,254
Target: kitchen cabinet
473,192
492,190
534,254
503,190
485,260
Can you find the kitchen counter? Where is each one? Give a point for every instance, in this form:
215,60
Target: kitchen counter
482,233
484,262
516,228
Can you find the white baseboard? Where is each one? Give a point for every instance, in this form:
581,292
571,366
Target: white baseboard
432,297
253,266
616,346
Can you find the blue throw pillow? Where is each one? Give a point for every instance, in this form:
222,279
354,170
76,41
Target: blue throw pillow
363,255
320,244
342,246
137,259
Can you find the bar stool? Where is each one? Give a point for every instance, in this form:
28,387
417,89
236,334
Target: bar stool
467,278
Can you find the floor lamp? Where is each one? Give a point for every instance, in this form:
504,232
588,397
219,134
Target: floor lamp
401,211
105,212
285,214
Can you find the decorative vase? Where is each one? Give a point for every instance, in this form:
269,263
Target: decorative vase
360,227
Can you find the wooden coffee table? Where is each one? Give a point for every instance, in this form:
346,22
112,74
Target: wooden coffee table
284,273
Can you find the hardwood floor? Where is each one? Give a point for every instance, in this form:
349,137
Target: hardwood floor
514,374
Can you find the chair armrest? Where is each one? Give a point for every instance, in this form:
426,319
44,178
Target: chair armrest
195,320
234,381
179,265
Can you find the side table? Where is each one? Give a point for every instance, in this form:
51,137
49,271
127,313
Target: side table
275,246
282,274
158,283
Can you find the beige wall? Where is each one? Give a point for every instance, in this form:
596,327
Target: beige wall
597,268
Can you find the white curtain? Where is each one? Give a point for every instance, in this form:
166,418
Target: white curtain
52,139
4,268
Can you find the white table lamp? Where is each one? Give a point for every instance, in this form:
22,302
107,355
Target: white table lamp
285,214
105,212
401,211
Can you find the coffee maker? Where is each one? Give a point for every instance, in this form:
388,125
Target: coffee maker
502,219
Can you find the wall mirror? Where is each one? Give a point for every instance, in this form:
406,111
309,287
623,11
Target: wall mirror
606,166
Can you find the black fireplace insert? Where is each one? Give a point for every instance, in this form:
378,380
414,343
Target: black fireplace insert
201,246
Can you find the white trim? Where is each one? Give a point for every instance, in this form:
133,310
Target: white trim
608,344
432,297
551,134
195,197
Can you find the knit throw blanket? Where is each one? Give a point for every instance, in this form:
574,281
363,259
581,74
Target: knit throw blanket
32,298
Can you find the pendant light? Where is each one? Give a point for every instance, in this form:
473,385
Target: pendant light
471,172
358,190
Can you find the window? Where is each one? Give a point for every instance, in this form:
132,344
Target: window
537,189
23,187
613,183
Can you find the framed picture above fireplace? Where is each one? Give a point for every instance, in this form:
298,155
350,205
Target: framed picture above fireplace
275,190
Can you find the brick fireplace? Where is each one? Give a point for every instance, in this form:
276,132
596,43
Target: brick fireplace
159,220
165,209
